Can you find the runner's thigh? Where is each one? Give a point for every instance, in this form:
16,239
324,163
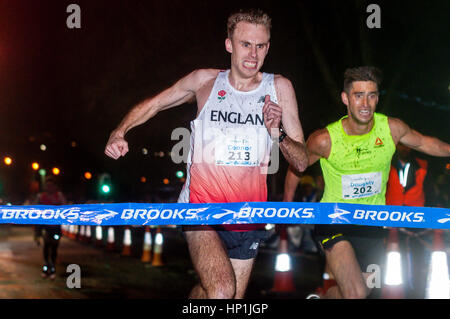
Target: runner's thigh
209,258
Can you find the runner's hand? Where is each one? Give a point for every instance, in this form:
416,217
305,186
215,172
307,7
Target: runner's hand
116,146
272,116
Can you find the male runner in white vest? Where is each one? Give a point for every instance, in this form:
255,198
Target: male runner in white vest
239,112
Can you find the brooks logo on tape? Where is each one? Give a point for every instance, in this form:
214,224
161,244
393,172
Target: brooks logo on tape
228,213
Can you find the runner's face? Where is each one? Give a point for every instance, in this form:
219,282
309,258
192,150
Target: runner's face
248,47
361,101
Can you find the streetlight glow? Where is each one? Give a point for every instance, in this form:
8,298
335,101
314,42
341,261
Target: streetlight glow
8,160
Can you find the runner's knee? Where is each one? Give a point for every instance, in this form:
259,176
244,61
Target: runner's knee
222,290
355,292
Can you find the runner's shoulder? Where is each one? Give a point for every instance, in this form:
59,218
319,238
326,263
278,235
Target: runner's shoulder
204,75
282,81
321,135
393,120
398,128
284,88
320,140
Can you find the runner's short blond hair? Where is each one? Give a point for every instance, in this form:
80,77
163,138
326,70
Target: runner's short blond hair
256,16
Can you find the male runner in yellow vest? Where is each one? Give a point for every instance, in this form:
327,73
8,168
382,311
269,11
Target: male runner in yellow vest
355,155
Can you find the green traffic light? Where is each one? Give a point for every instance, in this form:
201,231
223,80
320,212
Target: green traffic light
179,174
106,188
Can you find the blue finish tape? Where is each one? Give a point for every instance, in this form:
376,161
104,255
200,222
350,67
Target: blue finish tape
228,213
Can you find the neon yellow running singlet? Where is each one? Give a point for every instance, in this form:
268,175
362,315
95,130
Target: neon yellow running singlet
357,168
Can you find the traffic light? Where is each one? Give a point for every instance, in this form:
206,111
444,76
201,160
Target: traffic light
106,188
179,174
105,184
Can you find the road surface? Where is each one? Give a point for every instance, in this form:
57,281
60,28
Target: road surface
108,275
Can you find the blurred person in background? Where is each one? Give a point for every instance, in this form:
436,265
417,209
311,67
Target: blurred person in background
51,234
409,184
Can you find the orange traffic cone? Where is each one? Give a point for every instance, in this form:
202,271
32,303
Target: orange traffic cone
98,236
76,232
110,242
438,283
126,250
283,270
72,232
81,235
87,238
157,252
328,282
147,250
393,280
64,230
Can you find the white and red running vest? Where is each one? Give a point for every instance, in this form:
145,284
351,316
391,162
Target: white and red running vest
230,147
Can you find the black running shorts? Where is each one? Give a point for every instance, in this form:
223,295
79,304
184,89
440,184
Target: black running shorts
239,244
242,244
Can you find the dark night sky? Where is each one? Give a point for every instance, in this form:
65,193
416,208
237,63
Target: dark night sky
59,85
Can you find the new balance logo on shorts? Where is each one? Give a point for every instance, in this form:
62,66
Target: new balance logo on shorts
254,246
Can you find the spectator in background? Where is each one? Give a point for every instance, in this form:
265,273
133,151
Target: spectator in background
442,188
50,233
406,185
409,185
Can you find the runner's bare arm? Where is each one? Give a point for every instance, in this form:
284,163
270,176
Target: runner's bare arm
430,145
318,145
293,145
184,90
290,185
